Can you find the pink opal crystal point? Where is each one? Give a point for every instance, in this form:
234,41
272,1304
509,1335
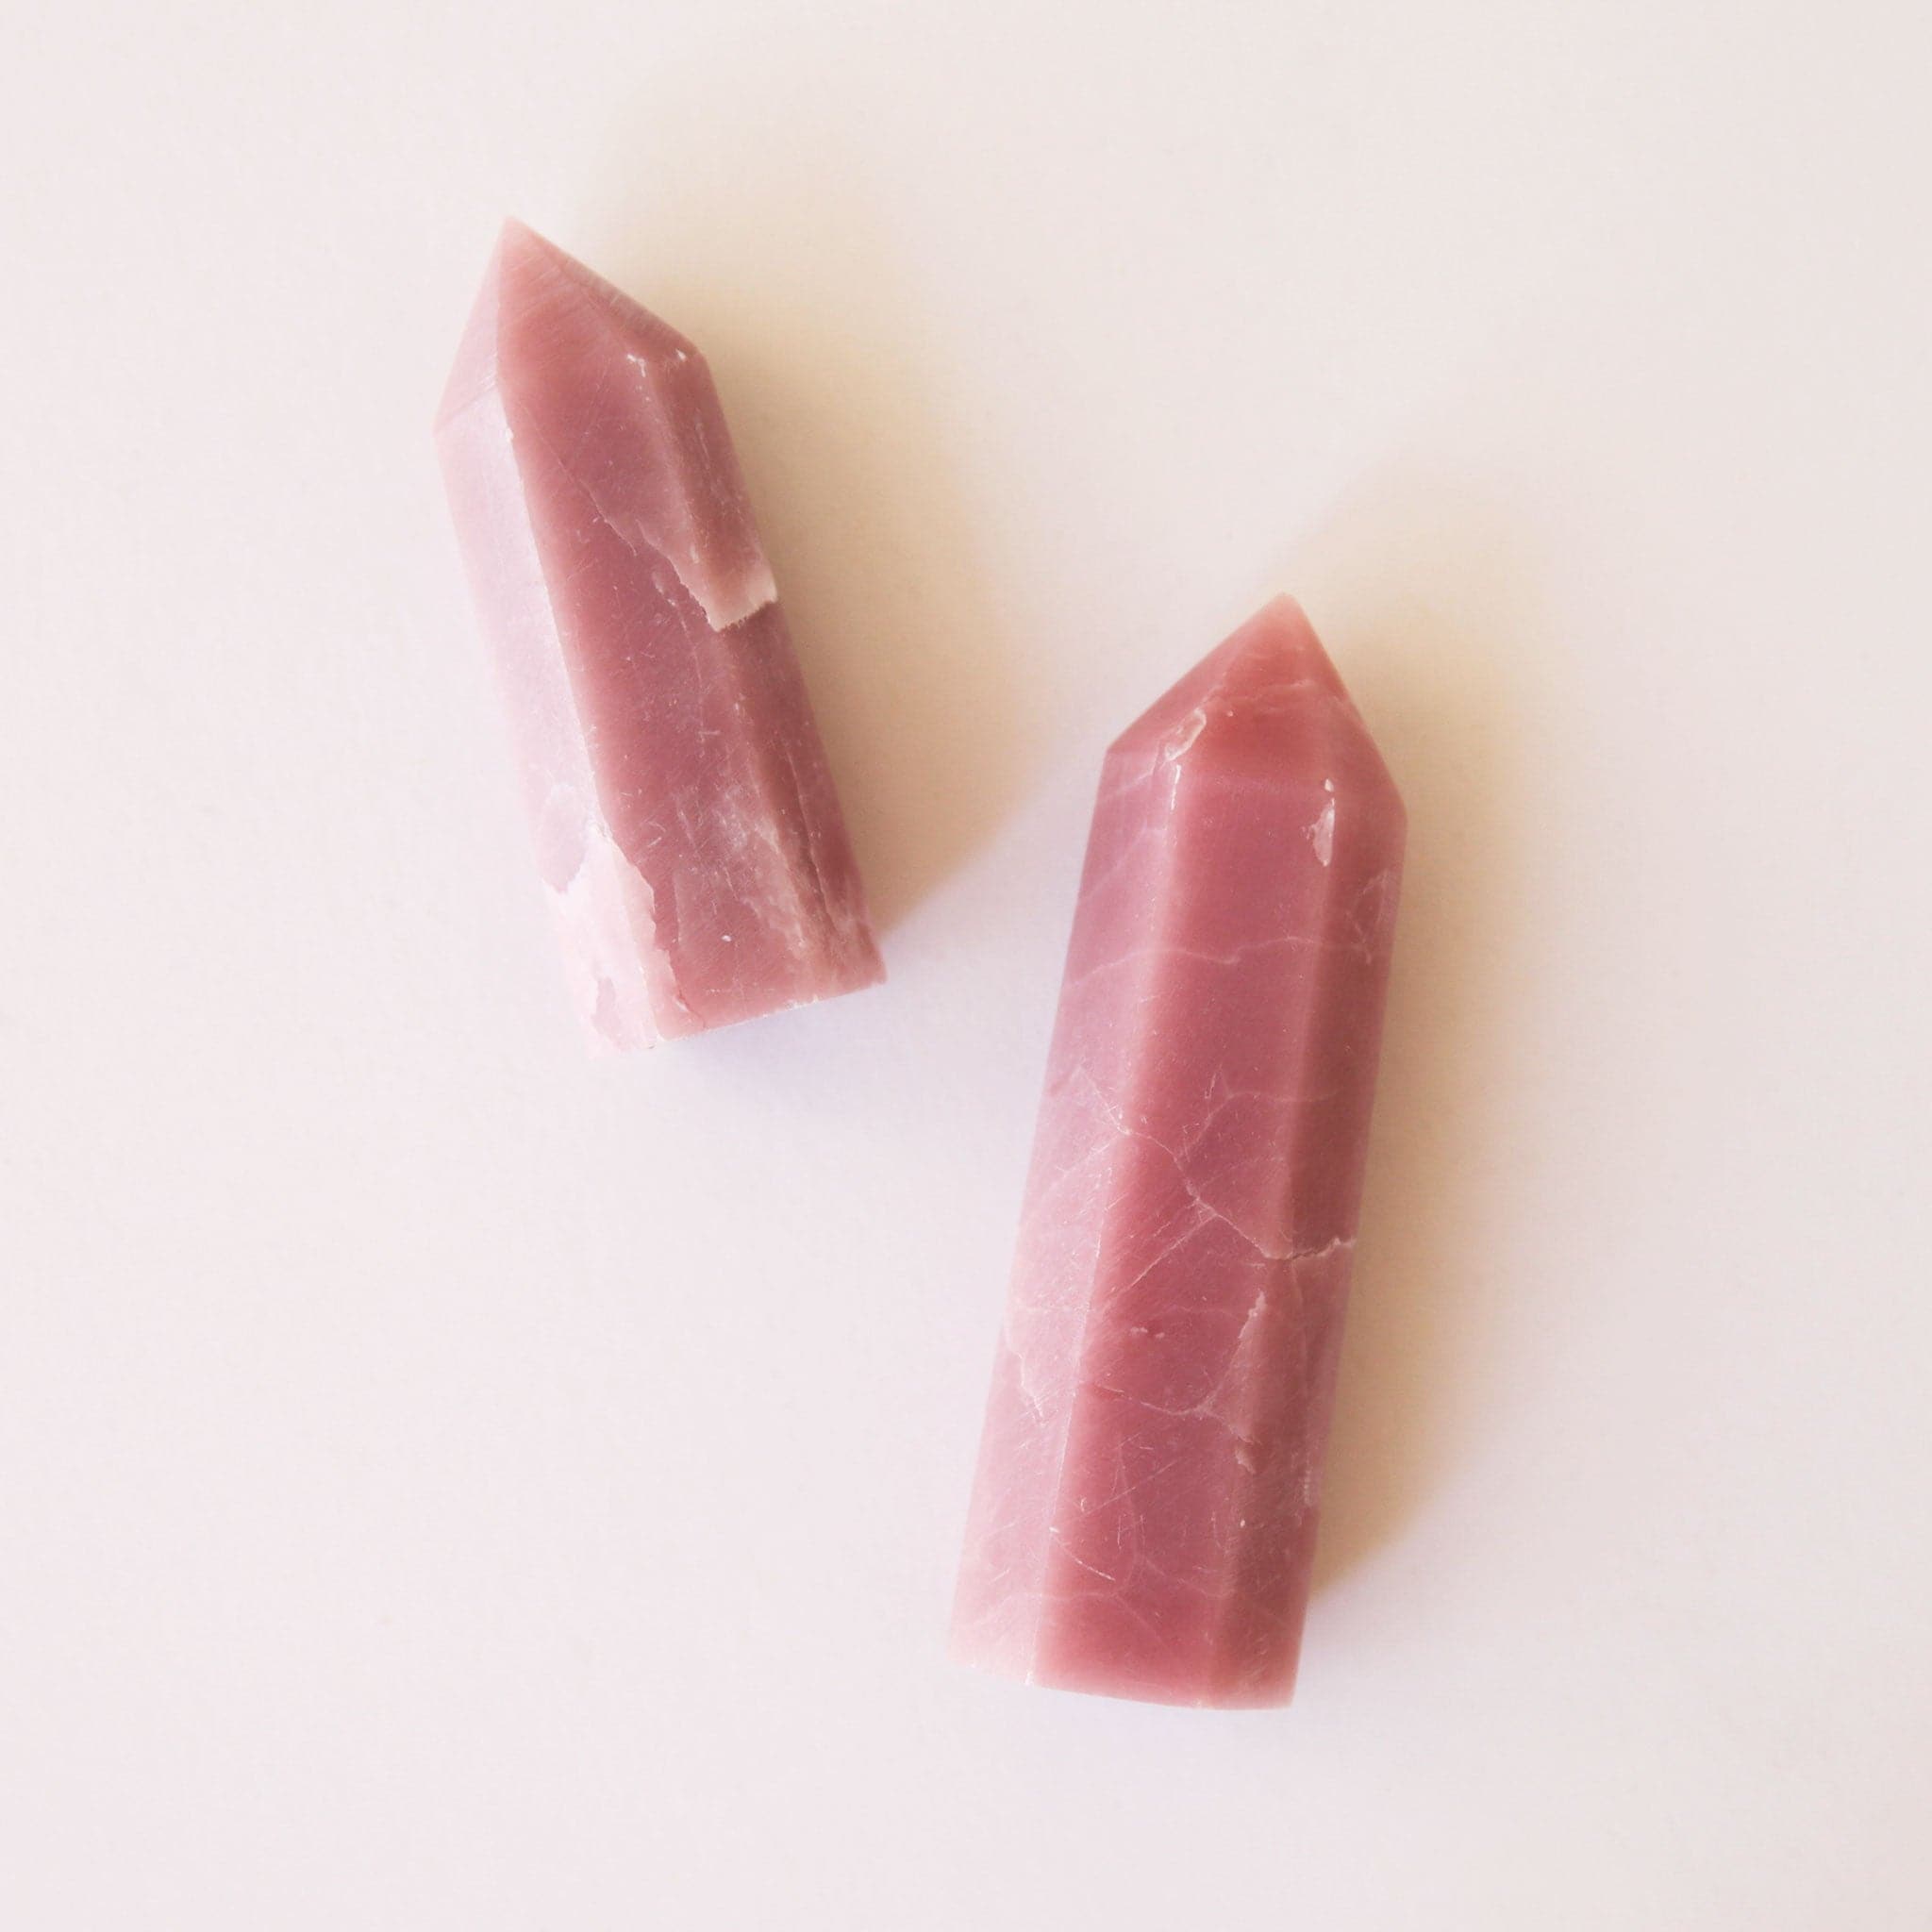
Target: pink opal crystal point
1144,1520
686,824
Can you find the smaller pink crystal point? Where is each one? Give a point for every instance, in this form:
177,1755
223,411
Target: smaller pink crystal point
685,819
1142,1523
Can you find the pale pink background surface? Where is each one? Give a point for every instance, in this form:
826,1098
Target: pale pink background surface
454,1486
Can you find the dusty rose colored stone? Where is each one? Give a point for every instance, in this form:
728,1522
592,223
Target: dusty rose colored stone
1144,1516
685,824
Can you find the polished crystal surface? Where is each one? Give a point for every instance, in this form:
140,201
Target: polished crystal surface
1143,1519
686,825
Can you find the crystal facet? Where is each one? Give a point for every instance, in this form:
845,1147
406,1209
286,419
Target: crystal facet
1144,1520
685,822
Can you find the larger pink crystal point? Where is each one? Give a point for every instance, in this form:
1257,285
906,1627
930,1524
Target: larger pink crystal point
685,824
1143,1520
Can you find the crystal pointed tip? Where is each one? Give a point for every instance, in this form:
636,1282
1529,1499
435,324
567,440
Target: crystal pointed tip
520,249
531,277
1272,656
1277,644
